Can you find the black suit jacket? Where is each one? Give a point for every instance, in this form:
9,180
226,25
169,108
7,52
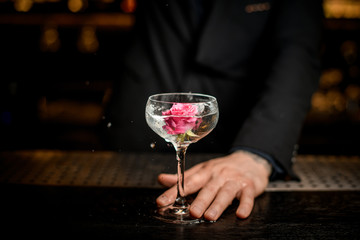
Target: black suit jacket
260,59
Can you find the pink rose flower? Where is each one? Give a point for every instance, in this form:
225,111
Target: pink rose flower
182,118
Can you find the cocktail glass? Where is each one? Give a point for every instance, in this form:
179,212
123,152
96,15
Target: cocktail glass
181,119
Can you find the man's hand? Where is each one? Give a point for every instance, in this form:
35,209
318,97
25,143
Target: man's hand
240,175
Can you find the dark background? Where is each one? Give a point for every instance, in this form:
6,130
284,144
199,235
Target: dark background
59,60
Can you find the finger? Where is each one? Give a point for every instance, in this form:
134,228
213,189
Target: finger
195,181
246,204
167,180
195,168
167,197
223,199
205,198
192,184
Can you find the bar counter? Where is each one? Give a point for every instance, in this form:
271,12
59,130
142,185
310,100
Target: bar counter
62,194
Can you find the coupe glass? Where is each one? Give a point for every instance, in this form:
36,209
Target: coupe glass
181,119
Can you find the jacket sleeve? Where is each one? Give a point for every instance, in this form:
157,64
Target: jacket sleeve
275,122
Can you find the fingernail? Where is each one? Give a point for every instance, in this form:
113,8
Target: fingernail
195,211
242,213
211,214
162,200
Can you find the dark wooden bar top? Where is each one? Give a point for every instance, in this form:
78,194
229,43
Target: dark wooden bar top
49,195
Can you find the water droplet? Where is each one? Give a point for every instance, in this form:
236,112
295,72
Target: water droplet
103,117
93,150
152,145
109,124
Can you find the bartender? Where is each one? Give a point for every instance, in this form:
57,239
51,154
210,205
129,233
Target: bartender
260,59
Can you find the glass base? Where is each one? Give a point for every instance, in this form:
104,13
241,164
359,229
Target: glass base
177,215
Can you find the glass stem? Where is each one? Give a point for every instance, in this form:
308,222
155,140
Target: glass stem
180,157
